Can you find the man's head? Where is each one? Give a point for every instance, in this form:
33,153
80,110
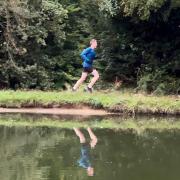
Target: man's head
90,171
93,43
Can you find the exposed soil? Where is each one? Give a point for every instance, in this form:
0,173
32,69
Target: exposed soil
59,111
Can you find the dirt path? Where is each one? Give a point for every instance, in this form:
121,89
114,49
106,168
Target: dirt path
60,111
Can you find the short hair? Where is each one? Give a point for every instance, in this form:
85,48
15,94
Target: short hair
92,40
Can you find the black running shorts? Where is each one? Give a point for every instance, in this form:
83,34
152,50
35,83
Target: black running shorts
88,70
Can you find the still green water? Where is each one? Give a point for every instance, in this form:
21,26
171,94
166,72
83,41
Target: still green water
44,153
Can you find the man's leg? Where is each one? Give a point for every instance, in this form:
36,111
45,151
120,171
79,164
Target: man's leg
81,80
80,135
94,79
93,137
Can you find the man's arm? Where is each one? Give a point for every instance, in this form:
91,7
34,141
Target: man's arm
84,53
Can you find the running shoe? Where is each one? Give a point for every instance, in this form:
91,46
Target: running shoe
87,89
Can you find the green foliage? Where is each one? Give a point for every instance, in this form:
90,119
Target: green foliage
158,82
40,42
140,9
130,45
29,33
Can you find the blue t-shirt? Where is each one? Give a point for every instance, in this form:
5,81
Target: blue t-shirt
88,55
84,160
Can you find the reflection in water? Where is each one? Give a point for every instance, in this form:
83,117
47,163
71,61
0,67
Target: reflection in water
28,153
84,160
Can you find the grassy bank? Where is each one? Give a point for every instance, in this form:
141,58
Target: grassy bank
138,125
119,102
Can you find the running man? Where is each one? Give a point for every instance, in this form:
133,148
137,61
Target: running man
85,160
88,55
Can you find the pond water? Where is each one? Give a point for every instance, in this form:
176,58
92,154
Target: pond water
49,153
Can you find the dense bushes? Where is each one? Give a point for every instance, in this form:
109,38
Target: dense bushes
32,33
144,47
139,42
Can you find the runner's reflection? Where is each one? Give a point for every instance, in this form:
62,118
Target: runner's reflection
85,161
